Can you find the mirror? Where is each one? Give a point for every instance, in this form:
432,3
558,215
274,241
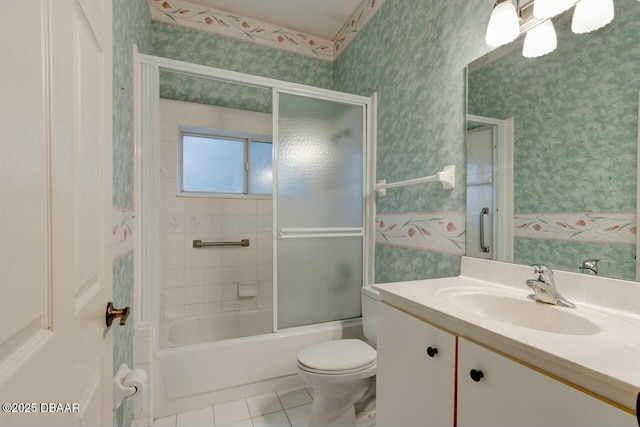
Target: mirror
560,174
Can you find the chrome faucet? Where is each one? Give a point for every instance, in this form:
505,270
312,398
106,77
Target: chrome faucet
589,266
544,288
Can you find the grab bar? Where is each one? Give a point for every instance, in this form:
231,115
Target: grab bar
200,244
483,247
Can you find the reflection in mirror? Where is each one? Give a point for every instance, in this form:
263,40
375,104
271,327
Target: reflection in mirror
575,125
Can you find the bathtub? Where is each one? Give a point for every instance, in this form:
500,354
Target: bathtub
195,376
216,327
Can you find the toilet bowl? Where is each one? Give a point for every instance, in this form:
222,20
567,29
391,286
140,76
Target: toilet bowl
341,372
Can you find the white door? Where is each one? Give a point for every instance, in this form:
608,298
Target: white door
55,216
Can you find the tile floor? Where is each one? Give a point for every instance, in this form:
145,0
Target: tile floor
287,408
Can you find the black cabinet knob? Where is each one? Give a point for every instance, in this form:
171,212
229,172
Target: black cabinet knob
432,351
476,375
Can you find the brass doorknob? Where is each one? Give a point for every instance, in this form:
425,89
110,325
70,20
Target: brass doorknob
115,313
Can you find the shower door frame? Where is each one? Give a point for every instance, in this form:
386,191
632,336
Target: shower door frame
368,179
146,161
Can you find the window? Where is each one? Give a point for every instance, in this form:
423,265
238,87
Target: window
222,162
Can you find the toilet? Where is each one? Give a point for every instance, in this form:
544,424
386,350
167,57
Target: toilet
342,372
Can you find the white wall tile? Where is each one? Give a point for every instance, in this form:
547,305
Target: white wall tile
212,276
172,278
264,240
264,256
247,273
230,306
192,309
265,302
247,207
194,295
264,208
230,257
230,207
174,297
192,279
230,274
194,276
265,288
265,272
213,293
248,303
230,292
247,256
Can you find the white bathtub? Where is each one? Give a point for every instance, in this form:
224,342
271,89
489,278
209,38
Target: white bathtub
216,327
196,376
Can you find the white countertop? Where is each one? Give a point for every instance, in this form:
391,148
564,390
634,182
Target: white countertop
606,363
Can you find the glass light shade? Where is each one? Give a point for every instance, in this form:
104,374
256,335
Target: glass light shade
540,40
504,25
544,9
591,15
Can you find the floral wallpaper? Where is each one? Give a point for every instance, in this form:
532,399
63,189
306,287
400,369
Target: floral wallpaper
189,14
195,16
578,154
131,24
413,53
442,232
594,227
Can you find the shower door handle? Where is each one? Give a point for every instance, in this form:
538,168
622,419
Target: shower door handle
483,247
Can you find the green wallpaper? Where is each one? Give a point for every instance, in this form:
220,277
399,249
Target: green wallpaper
576,133
131,24
413,53
230,54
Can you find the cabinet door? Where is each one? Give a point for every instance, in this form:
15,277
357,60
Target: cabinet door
511,394
413,388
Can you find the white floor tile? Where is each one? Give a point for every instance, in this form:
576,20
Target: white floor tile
300,415
243,423
264,404
165,422
294,397
278,419
199,418
227,413
309,390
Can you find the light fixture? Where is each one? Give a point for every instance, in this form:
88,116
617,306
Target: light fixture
591,15
504,25
544,9
540,40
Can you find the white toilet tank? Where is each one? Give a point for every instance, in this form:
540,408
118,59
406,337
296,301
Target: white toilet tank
370,298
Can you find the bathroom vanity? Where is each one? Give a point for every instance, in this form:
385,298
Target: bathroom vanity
474,351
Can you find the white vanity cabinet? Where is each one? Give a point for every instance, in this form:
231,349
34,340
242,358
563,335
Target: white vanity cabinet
414,389
416,372
506,393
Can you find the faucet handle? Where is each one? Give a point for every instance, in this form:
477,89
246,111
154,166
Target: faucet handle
590,266
544,273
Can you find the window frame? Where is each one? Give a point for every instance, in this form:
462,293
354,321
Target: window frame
245,137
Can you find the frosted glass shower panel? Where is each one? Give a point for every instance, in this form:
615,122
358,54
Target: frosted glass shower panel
319,280
320,163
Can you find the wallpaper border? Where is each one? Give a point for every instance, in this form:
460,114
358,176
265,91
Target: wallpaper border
590,227
188,14
442,231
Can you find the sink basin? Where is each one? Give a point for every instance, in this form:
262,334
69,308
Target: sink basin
524,313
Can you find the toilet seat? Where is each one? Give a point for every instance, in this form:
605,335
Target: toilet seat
337,357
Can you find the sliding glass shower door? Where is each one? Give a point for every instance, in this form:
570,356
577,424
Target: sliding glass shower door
319,208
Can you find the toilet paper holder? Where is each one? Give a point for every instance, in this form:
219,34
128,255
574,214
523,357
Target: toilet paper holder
129,383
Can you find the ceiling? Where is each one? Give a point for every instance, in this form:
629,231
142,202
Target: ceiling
320,18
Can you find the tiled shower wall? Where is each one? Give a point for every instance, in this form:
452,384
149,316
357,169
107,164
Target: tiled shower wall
196,281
